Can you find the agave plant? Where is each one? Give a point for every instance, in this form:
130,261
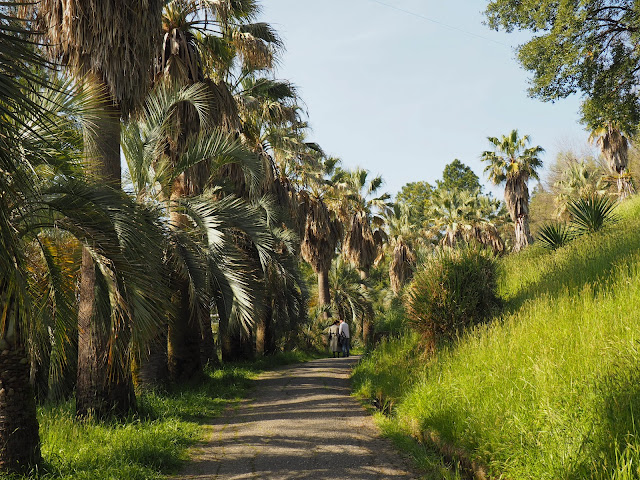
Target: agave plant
590,214
554,235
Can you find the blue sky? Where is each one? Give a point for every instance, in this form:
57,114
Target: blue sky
403,87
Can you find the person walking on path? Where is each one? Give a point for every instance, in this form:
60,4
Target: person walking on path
334,331
343,332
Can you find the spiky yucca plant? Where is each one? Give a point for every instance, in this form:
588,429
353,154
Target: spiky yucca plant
554,235
590,214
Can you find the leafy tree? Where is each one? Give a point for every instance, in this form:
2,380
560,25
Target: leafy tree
512,163
458,176
416,196
586,47
589,48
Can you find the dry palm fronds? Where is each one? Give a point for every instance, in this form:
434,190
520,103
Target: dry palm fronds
516,196
256,53
116,39
402,265
320,234
487,234
224,110
360,246
615,148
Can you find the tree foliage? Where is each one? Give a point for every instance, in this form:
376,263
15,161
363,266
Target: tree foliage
458,176
587,47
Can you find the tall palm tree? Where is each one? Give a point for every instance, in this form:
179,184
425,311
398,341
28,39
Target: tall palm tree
512,163
402,235
363,216
113,49
201,274
614,146
40,158
349,298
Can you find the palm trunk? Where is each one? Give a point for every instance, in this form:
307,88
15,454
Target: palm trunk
99,391
152,370
20,445
625,186
208,350
184,340
324,294
264,333
367,322
522,233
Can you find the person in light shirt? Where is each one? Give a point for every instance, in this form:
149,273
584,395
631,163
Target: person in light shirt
343,331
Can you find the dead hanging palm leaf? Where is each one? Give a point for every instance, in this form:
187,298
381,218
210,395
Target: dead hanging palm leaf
615,149
223,108
115,39
320,233
487,234
360,247
402,265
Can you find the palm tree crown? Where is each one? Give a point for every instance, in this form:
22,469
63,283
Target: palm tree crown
512,163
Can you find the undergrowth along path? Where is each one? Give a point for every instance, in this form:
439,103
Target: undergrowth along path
302,424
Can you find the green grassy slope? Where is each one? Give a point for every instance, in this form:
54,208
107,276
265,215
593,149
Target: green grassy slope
551,389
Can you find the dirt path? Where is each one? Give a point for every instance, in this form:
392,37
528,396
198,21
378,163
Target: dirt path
302,424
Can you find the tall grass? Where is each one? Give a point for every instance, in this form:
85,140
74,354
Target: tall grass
550,390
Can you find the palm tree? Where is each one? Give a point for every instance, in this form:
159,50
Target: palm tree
512,163
349,299
201,274
578,180
113,49
45,195
402,235
468,217
614,146
363,216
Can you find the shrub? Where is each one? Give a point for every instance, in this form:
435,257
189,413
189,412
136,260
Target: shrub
456,289
554,235
590,214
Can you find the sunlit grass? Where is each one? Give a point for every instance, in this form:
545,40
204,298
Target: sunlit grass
550,390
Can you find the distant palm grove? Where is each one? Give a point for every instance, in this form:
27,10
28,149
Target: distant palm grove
229,235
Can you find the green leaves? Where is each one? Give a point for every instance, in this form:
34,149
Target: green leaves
587,47
588,215
554,235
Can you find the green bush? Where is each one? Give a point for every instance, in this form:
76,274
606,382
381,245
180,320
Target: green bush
455,290
554,235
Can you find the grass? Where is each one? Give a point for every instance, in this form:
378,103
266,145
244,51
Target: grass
549,390
154,442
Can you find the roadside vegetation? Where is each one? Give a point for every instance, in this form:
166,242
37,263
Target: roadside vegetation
546,390
151,443
498,330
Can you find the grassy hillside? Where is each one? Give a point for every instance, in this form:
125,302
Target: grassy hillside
549,390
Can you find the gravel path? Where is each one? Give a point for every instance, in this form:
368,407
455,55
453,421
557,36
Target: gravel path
302,424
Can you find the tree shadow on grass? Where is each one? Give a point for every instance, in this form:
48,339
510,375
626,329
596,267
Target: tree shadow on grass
614,443
590,260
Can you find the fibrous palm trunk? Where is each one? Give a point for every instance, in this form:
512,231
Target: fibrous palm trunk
367,321
20,445
184,340
516,195
99,391
324,295
185,334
